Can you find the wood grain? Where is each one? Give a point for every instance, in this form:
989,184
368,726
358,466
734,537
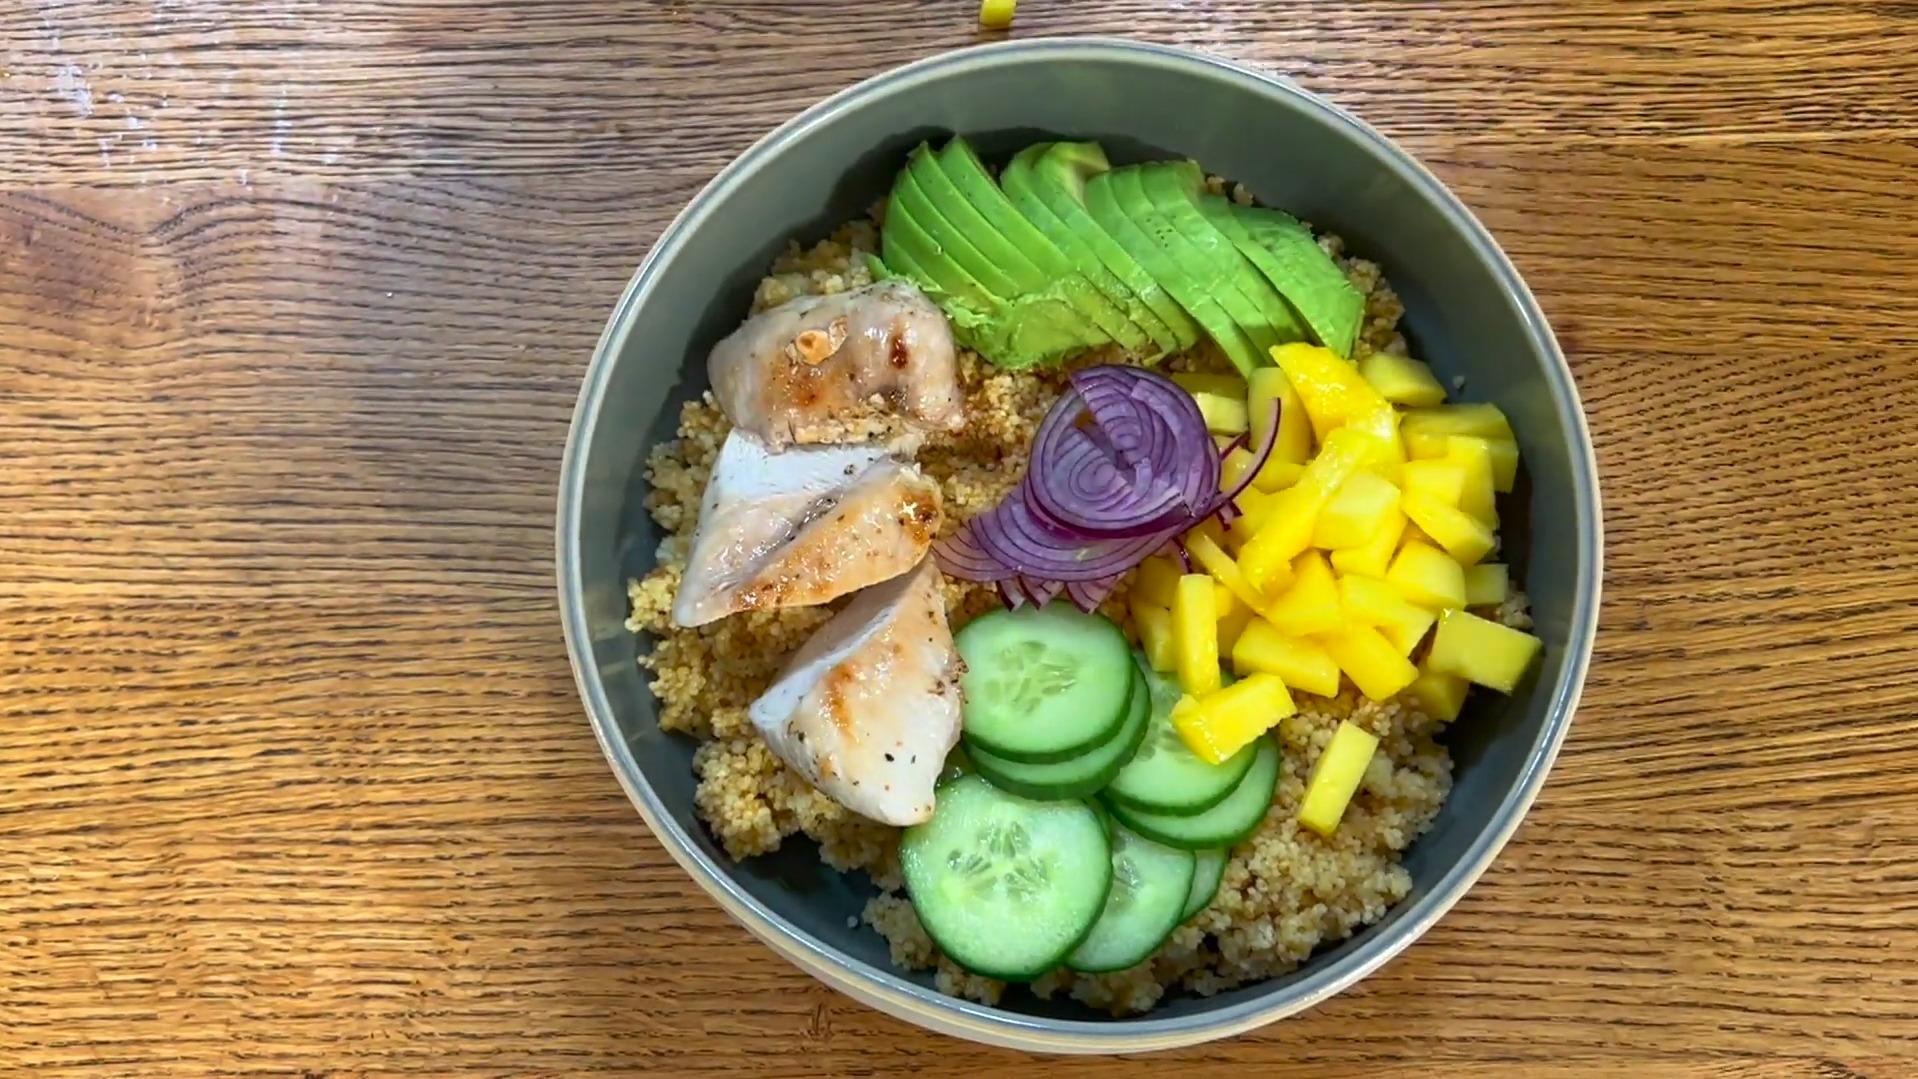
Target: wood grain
294,300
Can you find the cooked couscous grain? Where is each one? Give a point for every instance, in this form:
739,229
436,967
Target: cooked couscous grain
1286,891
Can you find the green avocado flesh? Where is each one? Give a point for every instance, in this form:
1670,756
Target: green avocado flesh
969,175
1062,254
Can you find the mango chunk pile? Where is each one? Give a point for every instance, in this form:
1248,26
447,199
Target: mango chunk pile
1360,555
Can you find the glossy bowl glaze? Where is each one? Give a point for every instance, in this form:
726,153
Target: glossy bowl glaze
1467,312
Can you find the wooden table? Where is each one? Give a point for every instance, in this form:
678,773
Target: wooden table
294,301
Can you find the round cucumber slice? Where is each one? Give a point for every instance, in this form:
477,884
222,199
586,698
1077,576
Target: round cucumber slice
1234,818
1208,869
1043,684
1078,776
1150,882
1166,777
1006,886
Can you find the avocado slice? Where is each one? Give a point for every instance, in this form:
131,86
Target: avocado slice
1017,181
1058,173
1012,333
1173,188
951,219
1117,202
967,173
1311,282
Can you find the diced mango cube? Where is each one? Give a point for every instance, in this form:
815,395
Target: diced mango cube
1285,529
1336,777
1476,493
1227,720
1373,556
1438,478
1218,385
1487,584
1235,464
1482,651
1311,604
1439,695
1157,580
1232,626
1356,513
1268,385
1463,536
1299,662
1434,424
1334,393
1277,475
1427,576
1504,464
1371,661
1195,633
1154,624
1372,602
1213,559
1223,415
1401,379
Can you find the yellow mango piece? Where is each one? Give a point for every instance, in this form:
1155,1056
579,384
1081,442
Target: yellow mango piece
1236,463
1195,633
1481,651
1287,524
1232,625
1356,513
1463,536
1277,475
1440,696
1372,602
1478,420
1156,581
1438,478
1373,556
1218,385
1299,662
1311,604
1371,661
1401,379
1332,390
1504,464
1266,386
1487,584
1154,626
1223,415
1213,559
1427,576
1476,493
1228,720
1336,777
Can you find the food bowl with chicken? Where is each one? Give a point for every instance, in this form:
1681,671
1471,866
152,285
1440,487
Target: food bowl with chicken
1079,545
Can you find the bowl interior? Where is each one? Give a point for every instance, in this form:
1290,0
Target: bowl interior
1293,153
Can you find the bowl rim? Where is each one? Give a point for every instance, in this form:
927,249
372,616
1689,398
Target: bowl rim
886,989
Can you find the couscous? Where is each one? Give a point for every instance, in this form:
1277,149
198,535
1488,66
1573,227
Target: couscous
1285,889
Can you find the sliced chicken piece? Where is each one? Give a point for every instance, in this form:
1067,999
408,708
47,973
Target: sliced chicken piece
869,706
873,363
802,527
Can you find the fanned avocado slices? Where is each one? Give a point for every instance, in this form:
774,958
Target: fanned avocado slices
1058,173
1285,252
967,173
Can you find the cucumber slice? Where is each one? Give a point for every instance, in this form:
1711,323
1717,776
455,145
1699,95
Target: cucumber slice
1208,869
1150,882
1166,777
1224,824
1043,683
1079,776
1006,886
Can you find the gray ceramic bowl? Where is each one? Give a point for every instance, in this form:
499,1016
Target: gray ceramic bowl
1467,312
